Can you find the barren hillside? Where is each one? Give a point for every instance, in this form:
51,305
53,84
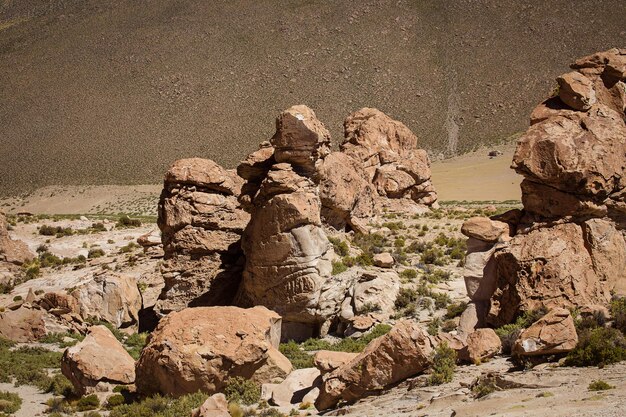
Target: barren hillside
112,91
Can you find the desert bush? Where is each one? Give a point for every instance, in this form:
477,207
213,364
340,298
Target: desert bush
126,222
95,253
88,402
399,242
296,355
599,385
98,227
115,401
444,362
27,365
433,256
407,297
408,274
339,267
159,406
242,391
436,276
455,309
58,406
340,246
128,248
394,226
433,326
618,312
369,307
509,332
597,346
57,231
9,403
371,244
135,343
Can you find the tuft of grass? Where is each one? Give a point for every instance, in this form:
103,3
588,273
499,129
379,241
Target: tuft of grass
88,402
340,246
339,267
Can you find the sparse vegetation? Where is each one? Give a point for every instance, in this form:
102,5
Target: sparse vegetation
444,362
127,222
88,402
9,403
600,385
339,267
340,246
242,391
598,346
159,406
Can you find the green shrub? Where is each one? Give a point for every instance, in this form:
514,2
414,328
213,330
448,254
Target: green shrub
159,406
598,346
600,385
135,343
509,332
436,276
9,403
433,256
394,226
340,246
28,365
115,400
57,406
95,253
456,309
618,312
339,267
298,357
433,326
242,391
408,274
484,387
399,242
407,297
98,227
57,231
444,362
369,307
17,298
89,402
126,222
128,248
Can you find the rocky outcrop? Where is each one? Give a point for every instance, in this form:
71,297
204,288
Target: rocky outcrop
12,251
201,226
288,256
200,348
387,151
552,334
300,385
98,363
111,297
403,352
567,247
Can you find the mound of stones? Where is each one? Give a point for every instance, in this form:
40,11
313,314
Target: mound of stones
566,248
200,348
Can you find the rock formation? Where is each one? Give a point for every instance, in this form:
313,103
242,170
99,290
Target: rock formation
201,225
111,297
567,247
98,363
12,251
552,334
288,256
24,324
200,348
403,352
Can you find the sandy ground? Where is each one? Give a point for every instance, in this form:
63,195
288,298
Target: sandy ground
477,177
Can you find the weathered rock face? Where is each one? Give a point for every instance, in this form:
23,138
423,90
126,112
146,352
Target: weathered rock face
12,251
111,297
387,151
327,360
568,248
201,225
288,256
214,406
552,334
572,157
98,363
200,348
405,351
548,267
481,344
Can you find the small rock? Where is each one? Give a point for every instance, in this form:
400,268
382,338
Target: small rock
383,260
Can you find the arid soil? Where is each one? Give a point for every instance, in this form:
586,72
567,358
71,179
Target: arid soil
110,92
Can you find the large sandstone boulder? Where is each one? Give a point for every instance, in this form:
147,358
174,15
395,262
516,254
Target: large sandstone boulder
405,351
214,406
98,363
482,344
201,225
12,251
387,151
552,334
572,157
327,360
111,297
548,268
25,324
200,348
